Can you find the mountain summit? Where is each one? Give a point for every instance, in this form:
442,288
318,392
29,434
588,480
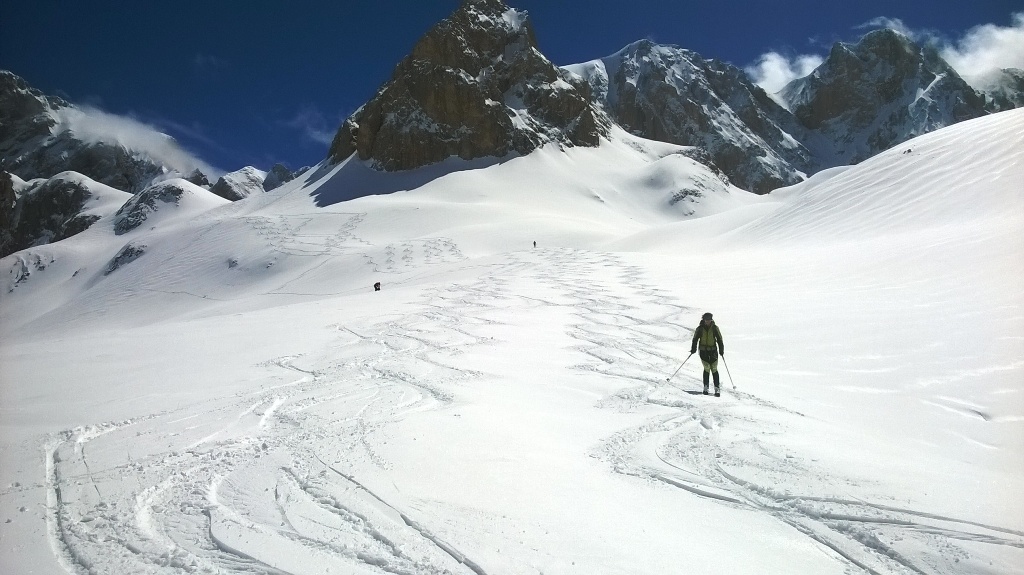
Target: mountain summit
878,93
474,86
41,136
674,95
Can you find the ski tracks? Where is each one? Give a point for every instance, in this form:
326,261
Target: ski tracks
239,484
268,482
709,447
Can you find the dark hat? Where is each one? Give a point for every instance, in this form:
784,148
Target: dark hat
706,316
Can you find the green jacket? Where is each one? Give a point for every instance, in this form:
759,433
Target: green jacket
708,338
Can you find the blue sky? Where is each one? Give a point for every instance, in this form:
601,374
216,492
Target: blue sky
254,83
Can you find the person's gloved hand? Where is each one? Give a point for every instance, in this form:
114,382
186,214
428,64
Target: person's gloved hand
693,351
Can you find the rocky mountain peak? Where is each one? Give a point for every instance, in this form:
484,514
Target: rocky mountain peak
883,90
240,184
51,210
475,85
25,113
18,99
886,44
279,175
674,95
41,136
1005,89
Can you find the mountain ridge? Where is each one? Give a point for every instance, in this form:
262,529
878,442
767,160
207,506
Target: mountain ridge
880,92
42,135
474,85
477,86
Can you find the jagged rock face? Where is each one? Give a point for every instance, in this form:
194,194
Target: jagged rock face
126,255
1005,91
884,90
198,178
674,95
35,144
47,213
240,185
474,86
280,175
23,112
8,201
108,164
136,210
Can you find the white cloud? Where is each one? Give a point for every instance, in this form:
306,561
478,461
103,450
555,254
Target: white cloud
986,49
981,51
313,125
894,24
773,71
92,125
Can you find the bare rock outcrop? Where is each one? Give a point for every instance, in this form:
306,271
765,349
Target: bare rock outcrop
475,85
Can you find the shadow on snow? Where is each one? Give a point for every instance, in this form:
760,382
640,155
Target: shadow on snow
356,178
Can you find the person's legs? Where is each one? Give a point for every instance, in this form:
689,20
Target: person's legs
709,357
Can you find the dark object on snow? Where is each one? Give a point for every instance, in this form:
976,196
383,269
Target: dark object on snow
129,253
708,338
376,286
534,244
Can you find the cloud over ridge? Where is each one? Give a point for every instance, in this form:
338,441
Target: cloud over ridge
986,49
773,71
977,55
92,125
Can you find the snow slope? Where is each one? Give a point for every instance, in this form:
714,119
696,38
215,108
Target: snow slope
238,399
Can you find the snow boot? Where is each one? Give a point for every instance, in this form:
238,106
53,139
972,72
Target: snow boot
717,393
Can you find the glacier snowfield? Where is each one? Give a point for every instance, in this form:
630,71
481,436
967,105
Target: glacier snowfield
238,399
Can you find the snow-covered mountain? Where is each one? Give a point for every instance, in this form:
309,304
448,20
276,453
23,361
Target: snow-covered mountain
884,90
279,174
1005,89
222,389
44,211
474,86
163,202
626,179
674,95
240,184
864,98
477,86
41,136
197,385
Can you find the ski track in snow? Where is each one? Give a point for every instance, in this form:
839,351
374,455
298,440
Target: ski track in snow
219,487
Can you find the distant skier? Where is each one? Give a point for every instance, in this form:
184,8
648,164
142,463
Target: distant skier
534,243
376,286
709,338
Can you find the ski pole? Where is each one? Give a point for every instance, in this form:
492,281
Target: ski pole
727,371
669,378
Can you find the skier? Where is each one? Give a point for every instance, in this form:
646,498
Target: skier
709,337
376,286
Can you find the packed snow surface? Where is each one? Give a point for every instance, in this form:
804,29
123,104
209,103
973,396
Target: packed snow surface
238,399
